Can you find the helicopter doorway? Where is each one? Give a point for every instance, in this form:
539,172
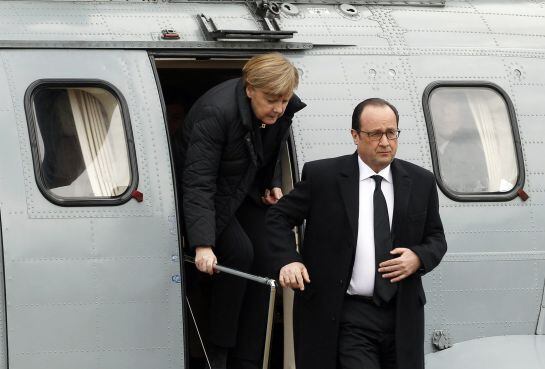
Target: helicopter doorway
183,81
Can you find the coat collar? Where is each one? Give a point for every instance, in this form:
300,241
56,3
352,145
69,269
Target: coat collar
244,108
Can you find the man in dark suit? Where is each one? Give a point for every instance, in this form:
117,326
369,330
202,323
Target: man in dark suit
372,230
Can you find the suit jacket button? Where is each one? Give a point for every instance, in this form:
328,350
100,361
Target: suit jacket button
341,282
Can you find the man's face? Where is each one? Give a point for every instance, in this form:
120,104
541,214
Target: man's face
267,108
376,154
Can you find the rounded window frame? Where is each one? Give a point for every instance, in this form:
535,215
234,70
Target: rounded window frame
475,196
32,121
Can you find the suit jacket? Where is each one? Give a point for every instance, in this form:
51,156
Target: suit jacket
327,197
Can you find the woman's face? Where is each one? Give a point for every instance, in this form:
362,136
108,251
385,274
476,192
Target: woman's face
267,108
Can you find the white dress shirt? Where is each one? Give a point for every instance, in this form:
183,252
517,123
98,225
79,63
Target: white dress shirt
363,274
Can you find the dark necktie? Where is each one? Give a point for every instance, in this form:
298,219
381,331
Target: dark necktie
384,289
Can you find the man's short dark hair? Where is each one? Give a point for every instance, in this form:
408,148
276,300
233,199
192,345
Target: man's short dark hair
374,101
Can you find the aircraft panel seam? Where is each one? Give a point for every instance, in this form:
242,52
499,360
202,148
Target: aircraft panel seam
342,34
129,259
482,232
531,115
519,322
470,11
469,77
530,84
521,289
457,258
431,30
97,214
131,349
351,26
421,51
96,288
46,23
356,83
491,205
54,305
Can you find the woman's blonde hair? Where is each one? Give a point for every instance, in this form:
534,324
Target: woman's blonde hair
272,73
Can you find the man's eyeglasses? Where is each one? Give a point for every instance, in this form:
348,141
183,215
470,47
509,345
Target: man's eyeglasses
377,135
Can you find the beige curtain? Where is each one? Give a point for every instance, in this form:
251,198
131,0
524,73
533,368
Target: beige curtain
492,122
92,125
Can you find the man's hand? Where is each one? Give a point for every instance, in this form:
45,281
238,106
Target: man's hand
401,267
294,275
205,259
272,196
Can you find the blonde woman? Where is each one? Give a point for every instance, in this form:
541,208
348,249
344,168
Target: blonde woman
230,148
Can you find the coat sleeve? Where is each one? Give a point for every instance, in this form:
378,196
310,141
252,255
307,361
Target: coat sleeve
434,244
202,160
290,211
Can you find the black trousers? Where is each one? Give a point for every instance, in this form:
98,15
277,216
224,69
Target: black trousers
238,308
367,335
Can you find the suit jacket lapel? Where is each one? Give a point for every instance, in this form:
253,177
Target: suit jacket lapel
349,187
402,192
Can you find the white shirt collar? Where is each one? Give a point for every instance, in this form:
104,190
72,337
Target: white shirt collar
366,172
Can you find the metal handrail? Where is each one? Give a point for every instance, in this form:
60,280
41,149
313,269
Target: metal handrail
272,296
238,273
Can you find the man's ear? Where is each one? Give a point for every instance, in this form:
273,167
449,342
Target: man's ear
354,136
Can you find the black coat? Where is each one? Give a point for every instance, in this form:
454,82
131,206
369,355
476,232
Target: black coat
327,197
219,159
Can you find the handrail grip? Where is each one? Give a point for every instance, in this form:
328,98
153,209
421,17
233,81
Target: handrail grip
220,268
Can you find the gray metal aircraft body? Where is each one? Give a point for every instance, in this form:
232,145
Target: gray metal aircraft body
91,264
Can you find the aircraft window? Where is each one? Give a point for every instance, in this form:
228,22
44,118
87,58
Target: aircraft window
80,144
475,151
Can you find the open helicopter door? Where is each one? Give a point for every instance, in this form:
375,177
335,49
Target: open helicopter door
90,239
